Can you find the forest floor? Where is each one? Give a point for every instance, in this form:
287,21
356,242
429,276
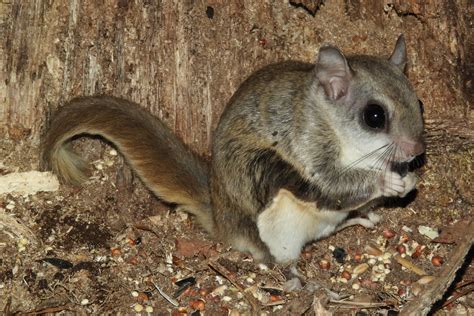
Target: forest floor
107,247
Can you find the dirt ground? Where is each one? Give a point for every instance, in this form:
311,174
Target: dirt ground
108,246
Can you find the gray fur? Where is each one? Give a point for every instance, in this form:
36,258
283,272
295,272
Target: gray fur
292,126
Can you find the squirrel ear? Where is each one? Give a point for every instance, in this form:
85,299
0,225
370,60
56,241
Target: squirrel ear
333,72
399,55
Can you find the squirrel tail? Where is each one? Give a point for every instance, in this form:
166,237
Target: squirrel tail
161,160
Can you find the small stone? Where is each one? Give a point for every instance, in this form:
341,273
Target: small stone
356,286
227,298
113,152
85,301
134,293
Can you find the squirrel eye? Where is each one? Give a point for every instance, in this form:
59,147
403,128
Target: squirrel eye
374,116
422,108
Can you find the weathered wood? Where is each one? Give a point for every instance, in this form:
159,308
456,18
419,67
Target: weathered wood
434,292
184,59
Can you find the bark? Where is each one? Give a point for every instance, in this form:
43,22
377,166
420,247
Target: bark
183,59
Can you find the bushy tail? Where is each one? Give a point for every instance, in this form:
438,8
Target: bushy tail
161,160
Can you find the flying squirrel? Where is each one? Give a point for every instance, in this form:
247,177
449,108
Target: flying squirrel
298,148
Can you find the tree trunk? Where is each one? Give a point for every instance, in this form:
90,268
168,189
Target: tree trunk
183,59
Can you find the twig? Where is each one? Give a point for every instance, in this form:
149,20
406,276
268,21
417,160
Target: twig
48,310
146,228
360,304
223,271
463,284
456,296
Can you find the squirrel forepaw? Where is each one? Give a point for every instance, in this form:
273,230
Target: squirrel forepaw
393,184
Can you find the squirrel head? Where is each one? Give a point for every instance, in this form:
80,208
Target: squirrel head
377,115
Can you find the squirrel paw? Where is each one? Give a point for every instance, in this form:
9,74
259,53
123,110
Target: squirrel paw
369,222
393,184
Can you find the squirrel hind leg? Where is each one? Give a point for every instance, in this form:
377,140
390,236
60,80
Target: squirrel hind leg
71,167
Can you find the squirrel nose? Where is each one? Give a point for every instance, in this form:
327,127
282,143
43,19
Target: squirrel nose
412,148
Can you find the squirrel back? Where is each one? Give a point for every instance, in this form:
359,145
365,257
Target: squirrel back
161,160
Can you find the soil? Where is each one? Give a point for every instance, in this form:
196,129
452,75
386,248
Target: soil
105,247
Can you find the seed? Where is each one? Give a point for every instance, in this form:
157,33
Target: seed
115,252
138,308
361,268
418,251
372,261
149,309
306,254
324,264
373,250
358,257
401,249
401,291
197,305
425,279
416,289
437,261
339,254
346,275
142,297
388,233
404,238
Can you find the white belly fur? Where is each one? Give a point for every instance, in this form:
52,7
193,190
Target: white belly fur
288,224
